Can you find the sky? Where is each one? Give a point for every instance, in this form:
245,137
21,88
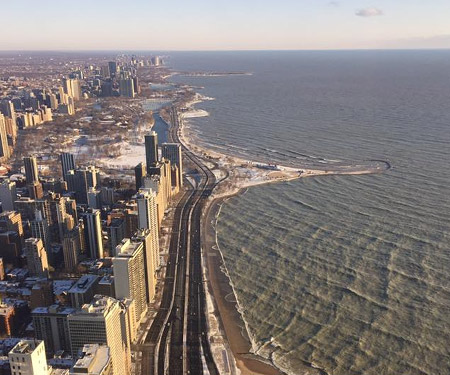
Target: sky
223,24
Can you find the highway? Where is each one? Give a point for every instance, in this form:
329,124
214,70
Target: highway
177,342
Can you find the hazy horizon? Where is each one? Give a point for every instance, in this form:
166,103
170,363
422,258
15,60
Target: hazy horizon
217,50
229,26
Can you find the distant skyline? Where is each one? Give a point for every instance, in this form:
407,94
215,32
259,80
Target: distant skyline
224,25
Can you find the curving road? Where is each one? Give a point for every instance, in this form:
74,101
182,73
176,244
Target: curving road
177,342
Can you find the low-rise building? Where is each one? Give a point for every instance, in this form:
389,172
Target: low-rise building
28,358
95,359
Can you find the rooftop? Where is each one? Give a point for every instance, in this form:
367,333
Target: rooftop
83,284
59,371
101,305
94,359
53,309
107,280
61,286
127,247
25,347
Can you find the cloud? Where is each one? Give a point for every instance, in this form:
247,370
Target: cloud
369,12
333,4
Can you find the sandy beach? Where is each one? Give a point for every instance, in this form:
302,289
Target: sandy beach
225,305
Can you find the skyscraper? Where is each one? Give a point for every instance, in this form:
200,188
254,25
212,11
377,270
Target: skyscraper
10,248
53,101
137,88
102,322
12,221
71,248
7,108
76,89
172,152
4,147
151,150
36,257
104,71
126,87
39,229
92,175
80,180
94,198
72,88
8,195
67,163
93,233
148,221
107,195
35,190
147,209
112,65
31,169
129,274
139,173
116,233
150,240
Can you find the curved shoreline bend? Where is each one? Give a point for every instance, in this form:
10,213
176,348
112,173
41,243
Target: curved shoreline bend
230,337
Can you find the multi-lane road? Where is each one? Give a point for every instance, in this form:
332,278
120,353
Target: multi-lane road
177,342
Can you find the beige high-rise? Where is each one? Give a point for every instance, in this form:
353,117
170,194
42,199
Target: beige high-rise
103,321
129,274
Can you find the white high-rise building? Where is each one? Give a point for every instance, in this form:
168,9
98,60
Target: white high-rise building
147,209
150,241
148,217
28,358
72,88
76,89
103,321
129,274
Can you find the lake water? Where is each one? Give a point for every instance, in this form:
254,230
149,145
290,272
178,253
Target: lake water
348,273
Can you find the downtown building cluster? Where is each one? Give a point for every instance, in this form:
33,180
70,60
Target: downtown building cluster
24,109
79,263
25,103
116,78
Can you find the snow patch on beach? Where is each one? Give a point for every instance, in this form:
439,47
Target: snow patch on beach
195,113
222,354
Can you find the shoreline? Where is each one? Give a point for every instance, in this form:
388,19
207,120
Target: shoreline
232,326
220,288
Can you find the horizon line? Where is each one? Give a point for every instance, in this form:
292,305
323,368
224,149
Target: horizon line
230,50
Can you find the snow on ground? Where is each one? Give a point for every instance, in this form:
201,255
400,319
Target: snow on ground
131,156
195,113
